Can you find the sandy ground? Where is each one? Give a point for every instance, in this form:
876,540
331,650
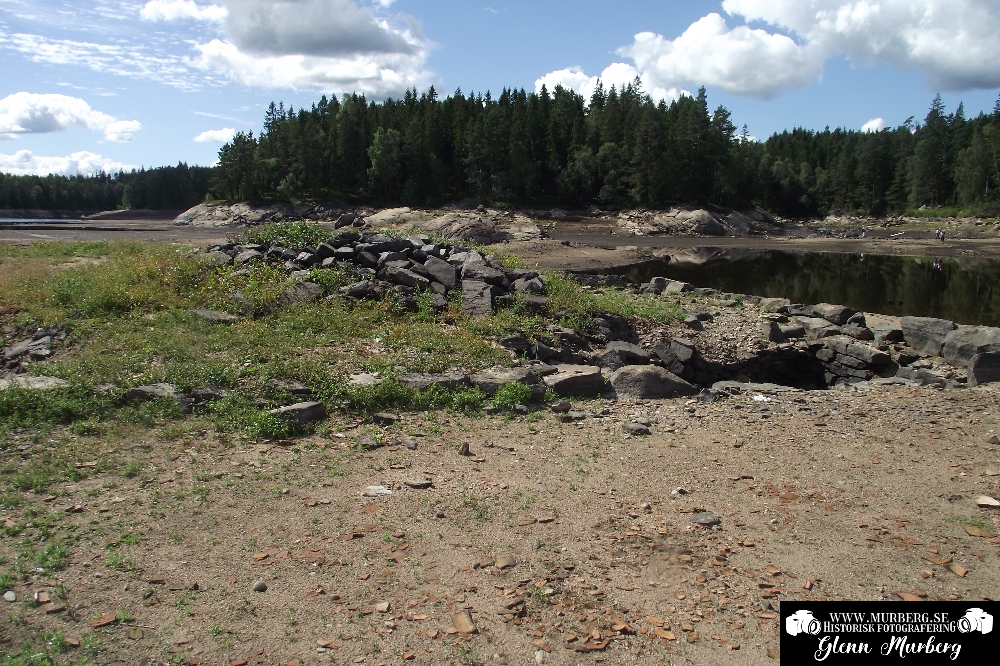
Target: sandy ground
844,494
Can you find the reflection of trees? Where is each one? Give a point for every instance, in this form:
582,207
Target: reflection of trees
967,292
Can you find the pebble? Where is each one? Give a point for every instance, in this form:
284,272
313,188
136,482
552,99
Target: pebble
419,484
561,407
705,518
636,429
10,596
260,586
376,491
506,562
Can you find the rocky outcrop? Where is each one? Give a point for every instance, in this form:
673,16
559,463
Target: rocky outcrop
926,334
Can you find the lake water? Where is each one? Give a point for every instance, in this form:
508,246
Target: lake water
964,290
31,220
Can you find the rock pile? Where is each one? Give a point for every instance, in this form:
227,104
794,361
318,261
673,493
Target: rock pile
404,266
37,348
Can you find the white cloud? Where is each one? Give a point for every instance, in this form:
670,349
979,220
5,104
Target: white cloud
83,163
617,74
874,125
216,136
30,113
177,10
322,45
952,43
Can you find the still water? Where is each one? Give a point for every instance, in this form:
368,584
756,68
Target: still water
964,290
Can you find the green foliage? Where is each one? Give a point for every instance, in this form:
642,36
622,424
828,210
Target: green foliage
287,234
235,415
509,395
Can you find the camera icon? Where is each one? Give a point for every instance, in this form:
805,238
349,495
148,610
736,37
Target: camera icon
803,622
976,619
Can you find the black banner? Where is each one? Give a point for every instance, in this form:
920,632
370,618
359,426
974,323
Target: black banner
888,632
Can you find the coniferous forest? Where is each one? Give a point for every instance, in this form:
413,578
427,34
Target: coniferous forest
619,149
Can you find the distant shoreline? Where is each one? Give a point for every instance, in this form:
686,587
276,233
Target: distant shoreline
42,214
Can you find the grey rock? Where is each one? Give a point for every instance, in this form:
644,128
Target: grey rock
215,316
868,355
857,332
247,256
345,220
30,347
984,368
301,412
151,392
301,292
364,379
924,376
491,379
441,272
306,259
292,386
385,418
536,304
771,331
706,519
965,342
886,333
817,328
693,323
792,331
438,301
216,259
260,586
326,251
649,382
774,304
835,314
561,406
534,285
477,298
34,383
422,382
683,349
581,380
345,253
206,394
926,334
406,278
636,429
618,354
475,271
677,287
363,289
418,484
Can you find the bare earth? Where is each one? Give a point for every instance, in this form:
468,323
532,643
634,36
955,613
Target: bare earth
842,494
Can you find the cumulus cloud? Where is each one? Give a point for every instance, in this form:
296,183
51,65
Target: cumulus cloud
178,10
617,74
83,163
785,43
30,113
323,45
216,136
874,125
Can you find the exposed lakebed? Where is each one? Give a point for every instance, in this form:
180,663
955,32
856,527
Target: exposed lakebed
966,291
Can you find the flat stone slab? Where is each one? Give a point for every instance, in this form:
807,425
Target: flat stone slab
491,379
35,383
581,380
215,316
301,412
422,382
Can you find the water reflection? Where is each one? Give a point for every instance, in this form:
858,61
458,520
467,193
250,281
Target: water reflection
964,290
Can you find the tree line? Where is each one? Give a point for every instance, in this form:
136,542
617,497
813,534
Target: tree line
618,149
171,188
621,149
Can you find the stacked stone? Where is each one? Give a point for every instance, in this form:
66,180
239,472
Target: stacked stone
403,266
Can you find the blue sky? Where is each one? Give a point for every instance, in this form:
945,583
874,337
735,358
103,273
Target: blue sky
99,84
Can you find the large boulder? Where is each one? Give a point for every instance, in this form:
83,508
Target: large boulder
579,380
649,381
984,368
865,353
926,334
966,341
